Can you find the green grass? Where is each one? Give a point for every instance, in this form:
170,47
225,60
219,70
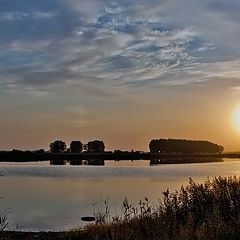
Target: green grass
198,211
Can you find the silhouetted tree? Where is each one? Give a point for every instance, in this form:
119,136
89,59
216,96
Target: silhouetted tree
76,147
220,149
154,146
40,151
183,146
95,146
85,147
57,146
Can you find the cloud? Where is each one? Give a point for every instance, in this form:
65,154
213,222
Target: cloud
121,45
44,15
10,16
113,10
14,16
205,47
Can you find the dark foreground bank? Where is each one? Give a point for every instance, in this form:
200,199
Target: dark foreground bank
29,236
198,211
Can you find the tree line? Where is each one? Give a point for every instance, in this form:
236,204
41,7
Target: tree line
95,146
183,146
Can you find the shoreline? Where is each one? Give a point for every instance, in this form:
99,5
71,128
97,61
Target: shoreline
28,156
20,235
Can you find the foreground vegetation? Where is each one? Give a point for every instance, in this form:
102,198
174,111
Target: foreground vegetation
198,211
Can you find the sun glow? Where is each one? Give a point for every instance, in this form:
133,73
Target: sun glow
236,117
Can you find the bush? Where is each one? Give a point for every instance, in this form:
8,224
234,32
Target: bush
198,211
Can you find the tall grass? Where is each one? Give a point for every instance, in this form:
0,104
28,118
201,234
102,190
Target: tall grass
3,225
210,210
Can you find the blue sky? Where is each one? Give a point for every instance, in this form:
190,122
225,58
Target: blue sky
89,63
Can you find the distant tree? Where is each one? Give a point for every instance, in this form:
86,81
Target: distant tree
95,146
57,146
183,146
16,151
76,147
85,147
154,146
40,151
67,150
220,149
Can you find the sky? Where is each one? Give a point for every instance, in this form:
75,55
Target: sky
124,72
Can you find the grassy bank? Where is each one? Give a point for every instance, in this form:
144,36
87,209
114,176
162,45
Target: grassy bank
198,211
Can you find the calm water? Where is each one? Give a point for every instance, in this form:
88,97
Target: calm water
40,196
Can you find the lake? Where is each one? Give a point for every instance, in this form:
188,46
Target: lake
40,197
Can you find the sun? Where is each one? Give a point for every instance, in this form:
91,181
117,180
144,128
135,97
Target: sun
236,117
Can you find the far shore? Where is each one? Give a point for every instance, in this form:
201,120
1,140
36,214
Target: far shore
28,156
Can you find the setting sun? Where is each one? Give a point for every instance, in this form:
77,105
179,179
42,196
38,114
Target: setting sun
236,117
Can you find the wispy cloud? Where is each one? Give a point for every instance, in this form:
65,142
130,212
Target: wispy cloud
44,15
123,44
10,16
13,16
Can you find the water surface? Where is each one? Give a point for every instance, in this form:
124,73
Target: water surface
39,196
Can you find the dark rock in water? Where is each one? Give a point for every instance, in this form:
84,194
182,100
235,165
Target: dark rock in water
88,219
